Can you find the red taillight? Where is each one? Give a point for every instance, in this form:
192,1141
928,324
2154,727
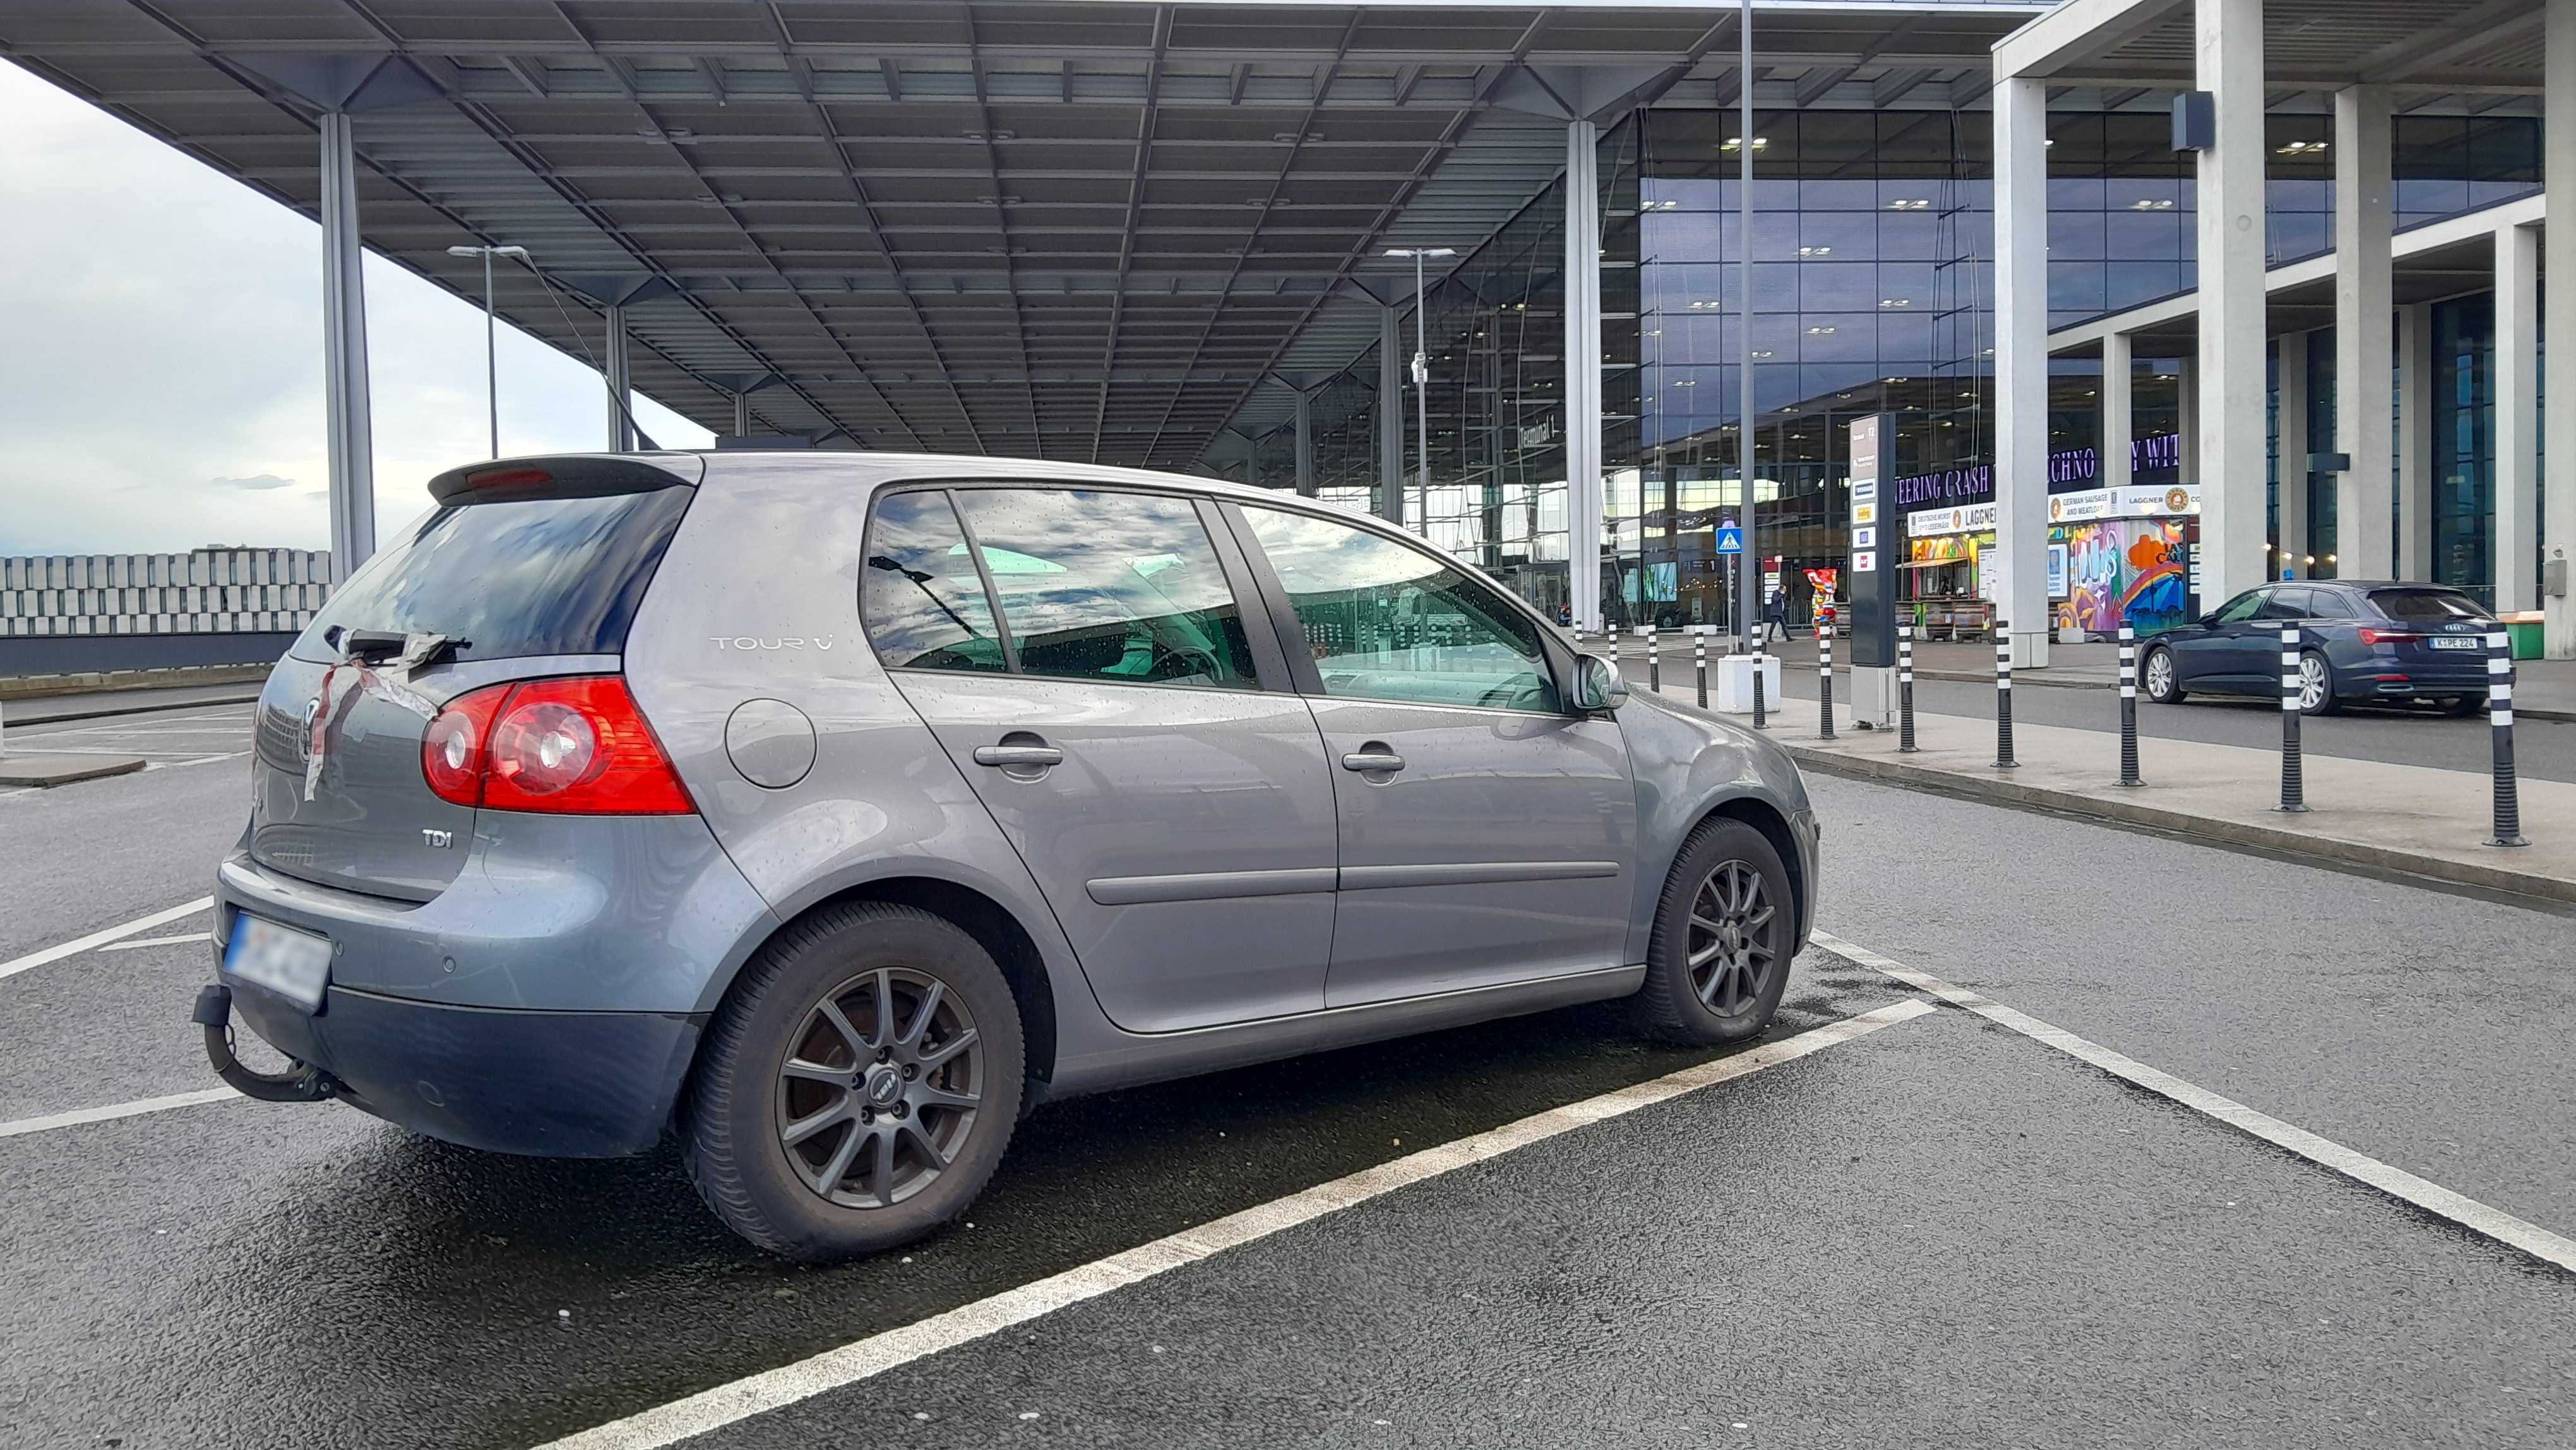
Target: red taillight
572,746
2386,636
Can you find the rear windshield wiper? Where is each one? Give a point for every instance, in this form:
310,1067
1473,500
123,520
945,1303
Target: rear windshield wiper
375,646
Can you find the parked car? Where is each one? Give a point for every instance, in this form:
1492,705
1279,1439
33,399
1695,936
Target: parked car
2360,641
832,810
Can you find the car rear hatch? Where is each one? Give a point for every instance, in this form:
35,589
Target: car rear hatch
526,568
2432,632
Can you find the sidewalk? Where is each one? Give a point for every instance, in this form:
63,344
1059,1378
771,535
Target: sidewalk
98,704
2543,689
2364,813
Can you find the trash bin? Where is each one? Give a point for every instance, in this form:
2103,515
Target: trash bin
2523,632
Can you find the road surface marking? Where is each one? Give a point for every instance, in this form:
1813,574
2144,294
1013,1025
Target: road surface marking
2468,1213
878,1353
156,941
102,938
113,1111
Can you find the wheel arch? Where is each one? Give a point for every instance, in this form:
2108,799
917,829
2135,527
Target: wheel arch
1766,818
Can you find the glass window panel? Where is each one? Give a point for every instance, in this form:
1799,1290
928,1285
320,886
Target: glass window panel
1113,587
923,603
1387,622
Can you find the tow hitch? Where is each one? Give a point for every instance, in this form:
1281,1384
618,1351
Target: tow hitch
305,1084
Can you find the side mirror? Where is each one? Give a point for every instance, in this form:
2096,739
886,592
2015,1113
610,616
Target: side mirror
1597,685
2209,621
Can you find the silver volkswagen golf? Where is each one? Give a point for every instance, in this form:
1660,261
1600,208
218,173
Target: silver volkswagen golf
830,811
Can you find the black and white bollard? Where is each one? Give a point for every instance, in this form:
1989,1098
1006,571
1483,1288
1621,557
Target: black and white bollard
1699,664
2294,783
1825,676
2003,697
1654,658
1905,689
2129,707
2508,795
1758,721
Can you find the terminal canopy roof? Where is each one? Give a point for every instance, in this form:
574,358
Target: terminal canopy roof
1087,231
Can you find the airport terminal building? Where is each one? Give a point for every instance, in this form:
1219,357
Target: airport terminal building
2137,362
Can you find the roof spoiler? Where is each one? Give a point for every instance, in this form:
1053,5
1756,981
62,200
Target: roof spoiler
566,475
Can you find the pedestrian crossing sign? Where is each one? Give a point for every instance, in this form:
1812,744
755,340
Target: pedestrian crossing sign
1730,541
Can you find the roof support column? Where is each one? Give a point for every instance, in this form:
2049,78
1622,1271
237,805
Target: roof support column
2229,45
2118,417
348,420
1305,444
2290,467
2517,416
2558,149
742,415
1583,495
621,386
2415,441
2187,414
2017,569
1390,416
2364,254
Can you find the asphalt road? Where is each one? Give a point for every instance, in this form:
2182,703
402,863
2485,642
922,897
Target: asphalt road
1941,1233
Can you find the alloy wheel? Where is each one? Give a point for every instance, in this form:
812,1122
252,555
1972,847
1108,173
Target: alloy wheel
2312,682
1733,939
880,1088
2160,675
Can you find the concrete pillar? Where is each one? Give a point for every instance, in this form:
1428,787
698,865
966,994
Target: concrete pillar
621,384
2292,464
348,420
1583,486
2187,415
2517,416
2364,429
2016,569
1390,417
742,415
2119,422
2415,441
2228,45
1305,444
2558,159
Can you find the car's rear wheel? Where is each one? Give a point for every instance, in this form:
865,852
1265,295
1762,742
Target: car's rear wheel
1725,930
2316,685
2460,707
2156,673
858,1086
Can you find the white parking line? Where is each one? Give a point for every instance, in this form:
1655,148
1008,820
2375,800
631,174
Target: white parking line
2397,1183
156,941
878,1353
14,966
113,1111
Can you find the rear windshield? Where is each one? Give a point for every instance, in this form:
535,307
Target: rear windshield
2427,604
540,576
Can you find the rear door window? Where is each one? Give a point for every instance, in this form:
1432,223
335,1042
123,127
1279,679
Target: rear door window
2427,606
511,578
2283,603
922,599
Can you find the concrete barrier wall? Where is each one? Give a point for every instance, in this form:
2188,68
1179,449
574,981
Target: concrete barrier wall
208,591
25,656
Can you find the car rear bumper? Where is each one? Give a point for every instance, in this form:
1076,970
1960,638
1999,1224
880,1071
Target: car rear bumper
2406,679
550,1084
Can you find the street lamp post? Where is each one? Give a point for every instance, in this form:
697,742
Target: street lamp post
491,369
1421,380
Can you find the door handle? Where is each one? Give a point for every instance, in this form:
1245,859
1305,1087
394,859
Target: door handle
1018,756
1373,757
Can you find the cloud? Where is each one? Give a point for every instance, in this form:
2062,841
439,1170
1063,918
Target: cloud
163,382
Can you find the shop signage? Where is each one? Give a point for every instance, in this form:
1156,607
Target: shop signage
1973,518
2067,465
1865,537
1871,593
2139,501
1864,513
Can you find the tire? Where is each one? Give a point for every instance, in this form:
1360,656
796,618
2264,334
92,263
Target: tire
2461,707
2159,661
1732,995
942,1084
2316,674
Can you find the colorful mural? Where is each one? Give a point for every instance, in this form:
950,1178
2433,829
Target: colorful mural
2132,571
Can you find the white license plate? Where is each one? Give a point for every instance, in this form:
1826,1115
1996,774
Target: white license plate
2451,642
294,964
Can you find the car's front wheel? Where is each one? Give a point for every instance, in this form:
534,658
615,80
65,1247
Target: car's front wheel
858,1086
2316,685
1724,932
2156,674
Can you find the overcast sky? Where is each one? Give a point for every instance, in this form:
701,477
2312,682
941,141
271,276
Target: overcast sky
161,355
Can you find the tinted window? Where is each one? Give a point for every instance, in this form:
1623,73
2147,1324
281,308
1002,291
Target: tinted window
2428,605
2285,604
539,576
1120,587
2241,608
2329,604
923,602
1386,621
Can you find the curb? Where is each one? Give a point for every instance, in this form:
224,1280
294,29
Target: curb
101,712
44,772
2231,833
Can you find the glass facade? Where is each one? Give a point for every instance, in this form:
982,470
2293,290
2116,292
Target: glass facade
1872,247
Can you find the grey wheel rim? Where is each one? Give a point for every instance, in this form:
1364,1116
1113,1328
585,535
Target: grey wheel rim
880,1088
1734,939
2312,682
2159,675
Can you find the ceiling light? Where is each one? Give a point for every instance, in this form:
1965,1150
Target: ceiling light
1815,251
1896,302
1910,203
1819,331
1736,143
1761,352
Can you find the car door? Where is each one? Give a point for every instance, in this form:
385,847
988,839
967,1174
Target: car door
2257,643
1177,815
1487,835
2209,654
